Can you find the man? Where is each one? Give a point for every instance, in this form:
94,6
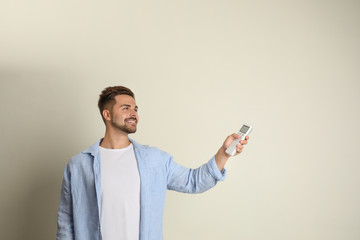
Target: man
116,188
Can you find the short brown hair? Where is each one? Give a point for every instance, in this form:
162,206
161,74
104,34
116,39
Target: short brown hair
107,97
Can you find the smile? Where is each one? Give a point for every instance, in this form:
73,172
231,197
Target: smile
131,121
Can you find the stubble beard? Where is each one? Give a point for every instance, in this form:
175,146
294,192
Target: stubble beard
123,127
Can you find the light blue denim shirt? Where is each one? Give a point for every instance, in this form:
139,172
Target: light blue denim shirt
80,201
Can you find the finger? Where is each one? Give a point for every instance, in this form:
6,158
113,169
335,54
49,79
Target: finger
239,148
234,135
243,142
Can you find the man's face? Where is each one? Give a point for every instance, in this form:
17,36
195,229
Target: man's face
124,116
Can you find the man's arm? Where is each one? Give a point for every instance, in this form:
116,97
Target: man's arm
187,180
65,230
198,180
221,156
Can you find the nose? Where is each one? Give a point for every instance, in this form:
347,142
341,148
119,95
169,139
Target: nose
133,113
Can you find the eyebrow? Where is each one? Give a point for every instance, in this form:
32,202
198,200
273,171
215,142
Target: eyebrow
127,105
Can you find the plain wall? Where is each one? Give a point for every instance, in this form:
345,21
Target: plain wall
199,69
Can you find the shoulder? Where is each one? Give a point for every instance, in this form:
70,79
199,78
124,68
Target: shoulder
80,157
85,157
79,163
154,151
151,152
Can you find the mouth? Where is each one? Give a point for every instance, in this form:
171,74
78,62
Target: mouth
131,121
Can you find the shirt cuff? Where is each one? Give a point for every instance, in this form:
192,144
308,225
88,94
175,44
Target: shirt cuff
214,170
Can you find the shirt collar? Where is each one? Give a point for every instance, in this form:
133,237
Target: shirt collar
94,149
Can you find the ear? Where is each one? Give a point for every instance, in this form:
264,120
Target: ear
106,114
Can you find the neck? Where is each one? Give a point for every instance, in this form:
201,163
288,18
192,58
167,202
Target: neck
115,140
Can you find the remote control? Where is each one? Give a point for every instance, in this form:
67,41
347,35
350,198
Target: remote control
244,131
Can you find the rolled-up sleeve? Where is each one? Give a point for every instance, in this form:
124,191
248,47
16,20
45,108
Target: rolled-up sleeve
213,168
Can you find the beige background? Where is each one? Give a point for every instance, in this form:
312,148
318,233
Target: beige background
199,70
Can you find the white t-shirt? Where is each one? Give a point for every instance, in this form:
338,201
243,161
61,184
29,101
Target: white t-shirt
120,195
